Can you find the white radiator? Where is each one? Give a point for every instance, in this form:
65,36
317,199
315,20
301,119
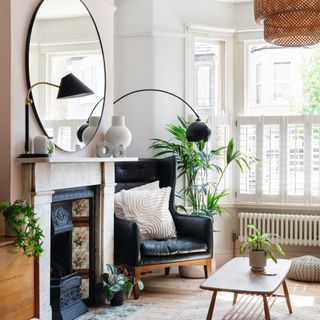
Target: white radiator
292,229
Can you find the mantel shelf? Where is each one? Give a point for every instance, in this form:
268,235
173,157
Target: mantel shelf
75,160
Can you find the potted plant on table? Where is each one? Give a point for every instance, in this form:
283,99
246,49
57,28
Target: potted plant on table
115,286
260,246
22,223
204,170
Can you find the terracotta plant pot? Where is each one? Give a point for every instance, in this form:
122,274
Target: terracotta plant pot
117,299
257,261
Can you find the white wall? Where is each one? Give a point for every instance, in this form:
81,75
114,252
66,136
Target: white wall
5,128
150,53
14,23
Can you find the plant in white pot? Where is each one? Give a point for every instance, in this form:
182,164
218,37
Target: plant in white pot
260,247
197,163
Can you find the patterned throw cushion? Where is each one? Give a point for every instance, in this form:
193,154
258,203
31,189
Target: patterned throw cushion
150,210
305,268
118,201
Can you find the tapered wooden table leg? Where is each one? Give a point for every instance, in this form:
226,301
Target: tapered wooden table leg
235,297
212,303
286,294
266,308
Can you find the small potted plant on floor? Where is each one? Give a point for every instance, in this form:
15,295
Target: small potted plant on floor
22,223
260,246
116,285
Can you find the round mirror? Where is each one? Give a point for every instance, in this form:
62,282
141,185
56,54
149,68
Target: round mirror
62,39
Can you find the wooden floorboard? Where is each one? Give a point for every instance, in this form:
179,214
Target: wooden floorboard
168,296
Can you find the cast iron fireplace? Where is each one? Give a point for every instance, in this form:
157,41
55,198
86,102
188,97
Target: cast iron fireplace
72,252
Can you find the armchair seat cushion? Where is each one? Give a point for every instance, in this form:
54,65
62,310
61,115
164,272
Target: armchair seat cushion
179,245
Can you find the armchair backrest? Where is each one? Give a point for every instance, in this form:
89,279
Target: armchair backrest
134,174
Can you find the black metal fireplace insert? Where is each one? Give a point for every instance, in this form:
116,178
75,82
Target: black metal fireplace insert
72,252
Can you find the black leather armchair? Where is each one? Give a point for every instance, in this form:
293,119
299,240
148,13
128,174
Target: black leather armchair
194,242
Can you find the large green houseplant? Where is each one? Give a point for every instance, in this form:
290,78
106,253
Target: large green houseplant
24,225
197,163
204,170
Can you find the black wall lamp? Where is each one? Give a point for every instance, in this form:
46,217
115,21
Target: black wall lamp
70,87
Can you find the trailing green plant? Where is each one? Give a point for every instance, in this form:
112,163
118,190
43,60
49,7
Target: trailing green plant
116,282
258,241
195,162
24,224
50,147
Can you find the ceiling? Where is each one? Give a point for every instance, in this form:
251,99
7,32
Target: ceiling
234,1
58,9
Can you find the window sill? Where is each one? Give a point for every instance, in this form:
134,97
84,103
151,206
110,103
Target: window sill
288,206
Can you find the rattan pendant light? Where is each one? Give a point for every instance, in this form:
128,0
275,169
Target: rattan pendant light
289,23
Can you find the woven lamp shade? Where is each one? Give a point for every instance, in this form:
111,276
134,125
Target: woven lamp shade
289,23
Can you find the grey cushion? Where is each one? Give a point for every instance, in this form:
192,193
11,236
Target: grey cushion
305,268
180,245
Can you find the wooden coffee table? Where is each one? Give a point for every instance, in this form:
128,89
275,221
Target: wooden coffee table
236,276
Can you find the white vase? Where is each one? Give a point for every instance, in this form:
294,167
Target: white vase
40,144
89,133
119,134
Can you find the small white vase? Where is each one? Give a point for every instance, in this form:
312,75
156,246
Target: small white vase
89,133
40,144
119,134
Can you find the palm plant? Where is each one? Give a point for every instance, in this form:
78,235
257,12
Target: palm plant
195,163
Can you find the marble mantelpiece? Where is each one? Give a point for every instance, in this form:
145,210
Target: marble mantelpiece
41,177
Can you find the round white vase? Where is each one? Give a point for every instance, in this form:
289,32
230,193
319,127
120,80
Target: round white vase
118,134
89,133
40,144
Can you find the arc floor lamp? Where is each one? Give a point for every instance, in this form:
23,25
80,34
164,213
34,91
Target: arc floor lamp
197,130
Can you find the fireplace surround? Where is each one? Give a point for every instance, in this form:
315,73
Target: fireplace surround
42,179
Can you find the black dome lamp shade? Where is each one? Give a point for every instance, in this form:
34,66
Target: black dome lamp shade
197,131
70,87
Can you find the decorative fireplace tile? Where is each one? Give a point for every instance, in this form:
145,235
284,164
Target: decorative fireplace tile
80,238
80,208
80,259
84,289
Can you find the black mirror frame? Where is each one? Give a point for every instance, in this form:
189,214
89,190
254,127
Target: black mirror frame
27,49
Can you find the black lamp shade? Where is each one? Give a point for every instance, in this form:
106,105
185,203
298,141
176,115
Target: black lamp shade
198,131
72,87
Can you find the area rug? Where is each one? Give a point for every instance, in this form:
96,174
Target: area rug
304,308
124,312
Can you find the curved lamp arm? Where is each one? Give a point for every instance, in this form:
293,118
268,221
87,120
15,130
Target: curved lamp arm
162,91
28,100
196,131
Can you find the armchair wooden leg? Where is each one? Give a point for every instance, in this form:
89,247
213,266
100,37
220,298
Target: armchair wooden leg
136,274
208,268
167,271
